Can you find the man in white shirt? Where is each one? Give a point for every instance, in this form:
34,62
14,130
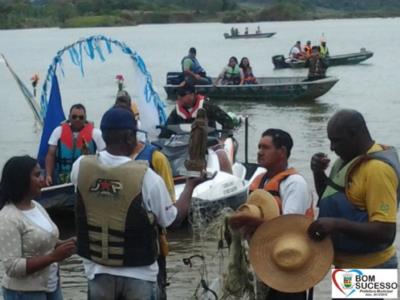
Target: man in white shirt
296,53
281,181
69,141
289,189
120,203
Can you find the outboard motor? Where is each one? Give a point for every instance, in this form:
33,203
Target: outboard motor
279,61
174,78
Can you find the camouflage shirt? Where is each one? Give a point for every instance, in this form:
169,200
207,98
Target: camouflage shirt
316,67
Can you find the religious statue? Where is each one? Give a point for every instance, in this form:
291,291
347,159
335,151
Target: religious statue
198,143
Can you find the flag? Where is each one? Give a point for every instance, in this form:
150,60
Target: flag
54,116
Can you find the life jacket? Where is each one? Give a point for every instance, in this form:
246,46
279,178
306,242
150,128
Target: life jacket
308,50
195,68
70,148
248,76
232,75
147,154
113,226
272,186
323,52
190,115
335,202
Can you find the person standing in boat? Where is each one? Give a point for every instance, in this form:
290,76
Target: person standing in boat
246,31
258,31
120,205
289,189
316,65
231,74
67,142
359,200
248,76
324,51
30,247
192,71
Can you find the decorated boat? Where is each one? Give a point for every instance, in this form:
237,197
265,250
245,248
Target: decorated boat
280,62
249,35
222,190
266,89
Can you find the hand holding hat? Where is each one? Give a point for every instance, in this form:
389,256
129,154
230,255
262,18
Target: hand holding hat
322,227
284,256
260,206
245,224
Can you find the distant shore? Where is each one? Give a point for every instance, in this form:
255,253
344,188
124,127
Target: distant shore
242,15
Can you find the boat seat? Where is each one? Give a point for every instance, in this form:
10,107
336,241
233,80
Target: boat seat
174,78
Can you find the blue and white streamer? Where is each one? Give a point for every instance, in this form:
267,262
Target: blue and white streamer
91,48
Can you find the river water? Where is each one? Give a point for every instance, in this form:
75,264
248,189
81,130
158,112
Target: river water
371,87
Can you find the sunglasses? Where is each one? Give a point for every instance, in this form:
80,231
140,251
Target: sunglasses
75,117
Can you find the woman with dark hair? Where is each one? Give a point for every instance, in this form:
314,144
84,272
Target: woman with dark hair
231,74
248,77
30,249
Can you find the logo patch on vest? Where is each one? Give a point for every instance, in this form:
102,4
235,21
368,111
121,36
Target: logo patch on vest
106,187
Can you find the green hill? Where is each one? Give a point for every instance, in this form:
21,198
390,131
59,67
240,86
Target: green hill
83,13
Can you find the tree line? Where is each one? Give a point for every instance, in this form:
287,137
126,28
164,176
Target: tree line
87,13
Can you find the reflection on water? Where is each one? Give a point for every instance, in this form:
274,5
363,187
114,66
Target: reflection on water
197,244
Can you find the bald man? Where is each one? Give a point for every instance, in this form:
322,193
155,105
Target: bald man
358,201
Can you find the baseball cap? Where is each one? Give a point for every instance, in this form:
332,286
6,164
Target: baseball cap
118,118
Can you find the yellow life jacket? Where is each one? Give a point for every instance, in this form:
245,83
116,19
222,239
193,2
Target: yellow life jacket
323,52
113,226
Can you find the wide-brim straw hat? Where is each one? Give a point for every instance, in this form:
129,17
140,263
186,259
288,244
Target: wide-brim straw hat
285,258
260,204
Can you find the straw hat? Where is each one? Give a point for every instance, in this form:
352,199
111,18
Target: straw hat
285,258
260,204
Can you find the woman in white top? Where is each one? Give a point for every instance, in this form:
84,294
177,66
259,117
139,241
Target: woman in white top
29,246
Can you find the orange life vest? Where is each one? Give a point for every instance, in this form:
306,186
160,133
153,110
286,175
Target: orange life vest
85,136
272,186
308,50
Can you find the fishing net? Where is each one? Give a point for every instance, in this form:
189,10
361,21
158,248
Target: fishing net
234,278
238,279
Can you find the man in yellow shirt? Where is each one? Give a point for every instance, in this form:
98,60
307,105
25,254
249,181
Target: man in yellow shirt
359,200
158,162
